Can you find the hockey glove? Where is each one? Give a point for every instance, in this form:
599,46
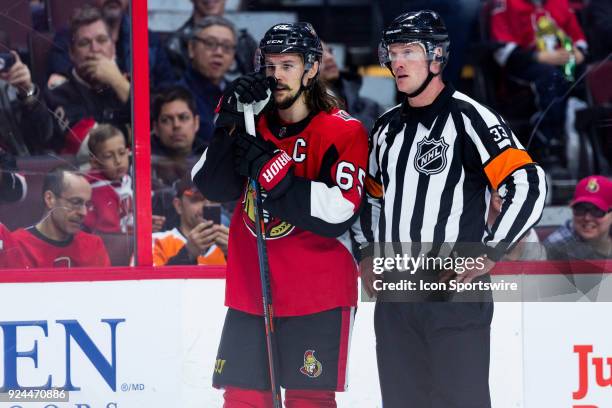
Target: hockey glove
264,162
250,88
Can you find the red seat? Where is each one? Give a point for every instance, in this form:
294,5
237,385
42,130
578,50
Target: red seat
120,248
598,83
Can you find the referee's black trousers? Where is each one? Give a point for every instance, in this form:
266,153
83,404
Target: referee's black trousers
433,355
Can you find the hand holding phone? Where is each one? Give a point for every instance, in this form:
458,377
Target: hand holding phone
212,213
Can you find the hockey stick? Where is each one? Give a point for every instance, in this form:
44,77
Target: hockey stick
264,272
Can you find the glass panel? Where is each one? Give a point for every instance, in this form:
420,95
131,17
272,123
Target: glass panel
185,89
65,134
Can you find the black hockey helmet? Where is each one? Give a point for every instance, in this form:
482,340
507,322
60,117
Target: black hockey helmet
296,38
425,27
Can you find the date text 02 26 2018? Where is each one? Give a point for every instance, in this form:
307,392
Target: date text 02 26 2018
35,395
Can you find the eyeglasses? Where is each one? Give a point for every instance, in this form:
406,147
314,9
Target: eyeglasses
211,44
75,204
86,42
580,210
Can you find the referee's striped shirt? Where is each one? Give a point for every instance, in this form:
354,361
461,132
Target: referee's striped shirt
431,171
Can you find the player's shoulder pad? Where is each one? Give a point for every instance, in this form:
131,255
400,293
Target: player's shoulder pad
339,122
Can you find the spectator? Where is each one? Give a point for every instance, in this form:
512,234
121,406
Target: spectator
12,188
57,240
178,48
345,86
211,51
587,234
10,253
116,16
96,90
532,34
527,248
112,194
197,241
175,124
599,29
26,127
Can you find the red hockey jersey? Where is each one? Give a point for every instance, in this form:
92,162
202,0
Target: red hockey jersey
80,250
515,21
310,269
10,253
113,209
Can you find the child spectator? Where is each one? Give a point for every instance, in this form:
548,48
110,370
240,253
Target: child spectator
112,194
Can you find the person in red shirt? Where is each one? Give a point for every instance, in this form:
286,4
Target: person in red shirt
12,188
57,240
310,158
10,254
532,36
112,193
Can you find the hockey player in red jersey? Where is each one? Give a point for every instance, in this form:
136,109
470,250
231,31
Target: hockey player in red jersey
57,240
309,157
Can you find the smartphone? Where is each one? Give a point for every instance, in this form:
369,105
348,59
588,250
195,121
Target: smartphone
7,60
212,213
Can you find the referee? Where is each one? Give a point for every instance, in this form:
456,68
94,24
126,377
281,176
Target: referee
434,161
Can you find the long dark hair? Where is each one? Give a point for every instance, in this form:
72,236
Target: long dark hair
318,98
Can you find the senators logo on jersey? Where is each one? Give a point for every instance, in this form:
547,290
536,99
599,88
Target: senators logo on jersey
275,228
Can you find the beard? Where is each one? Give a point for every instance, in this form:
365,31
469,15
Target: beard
288,100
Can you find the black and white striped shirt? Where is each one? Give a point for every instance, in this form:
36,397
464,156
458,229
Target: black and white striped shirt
431,172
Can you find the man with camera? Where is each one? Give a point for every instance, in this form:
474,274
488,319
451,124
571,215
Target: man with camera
25,123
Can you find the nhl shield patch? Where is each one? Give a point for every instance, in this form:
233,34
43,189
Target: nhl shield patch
430,156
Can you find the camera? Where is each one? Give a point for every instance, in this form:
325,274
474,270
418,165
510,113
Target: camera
7,60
